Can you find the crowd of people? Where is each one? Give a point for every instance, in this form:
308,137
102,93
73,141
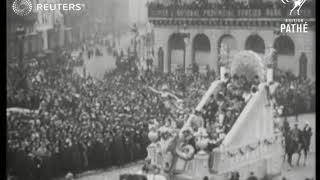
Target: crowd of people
225,4
78,123
81,123
226,8
222,110
297,95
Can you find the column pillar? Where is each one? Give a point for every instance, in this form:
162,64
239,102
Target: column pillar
166,57
61,37
188,55
214,53
45,39
269,74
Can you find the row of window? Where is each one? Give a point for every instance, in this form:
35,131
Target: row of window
283,44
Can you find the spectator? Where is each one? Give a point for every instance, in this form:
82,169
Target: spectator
252,176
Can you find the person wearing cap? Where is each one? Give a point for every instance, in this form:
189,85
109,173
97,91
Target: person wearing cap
256,80
252,176
227,78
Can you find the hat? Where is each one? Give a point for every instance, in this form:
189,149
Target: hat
187,129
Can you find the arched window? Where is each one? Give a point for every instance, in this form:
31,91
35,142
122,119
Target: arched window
255,43
201,42
176,42
228,41
284,45
201,49
176,52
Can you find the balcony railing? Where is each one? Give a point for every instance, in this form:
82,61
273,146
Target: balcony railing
205,12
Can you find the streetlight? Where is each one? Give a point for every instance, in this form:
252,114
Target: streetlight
20,33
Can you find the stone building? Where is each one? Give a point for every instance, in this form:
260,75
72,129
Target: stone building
195,33
43,30
50,25
31,39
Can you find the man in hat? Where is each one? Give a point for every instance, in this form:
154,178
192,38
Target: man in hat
252,176
256,80
306,135
296,133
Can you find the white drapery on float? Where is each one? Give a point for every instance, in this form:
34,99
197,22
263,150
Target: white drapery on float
255,119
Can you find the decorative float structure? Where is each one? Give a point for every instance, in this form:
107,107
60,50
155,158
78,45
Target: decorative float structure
251,145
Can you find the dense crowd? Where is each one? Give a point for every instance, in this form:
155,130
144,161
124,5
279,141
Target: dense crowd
84,123
297,95
81,123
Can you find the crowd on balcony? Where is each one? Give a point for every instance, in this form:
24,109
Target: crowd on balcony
224,4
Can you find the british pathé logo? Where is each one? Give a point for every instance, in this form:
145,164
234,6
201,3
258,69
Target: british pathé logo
22,7
296,4
294,25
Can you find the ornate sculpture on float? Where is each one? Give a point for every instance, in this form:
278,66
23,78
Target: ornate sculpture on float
249,64
182,152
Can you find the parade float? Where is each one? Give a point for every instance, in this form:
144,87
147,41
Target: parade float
251,145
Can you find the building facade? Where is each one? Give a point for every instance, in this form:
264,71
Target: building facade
31,38
50,25
187,33
43,30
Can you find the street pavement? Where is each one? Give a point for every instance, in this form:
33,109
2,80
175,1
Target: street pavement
96,66
295,173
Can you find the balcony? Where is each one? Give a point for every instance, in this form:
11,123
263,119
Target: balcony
227,11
